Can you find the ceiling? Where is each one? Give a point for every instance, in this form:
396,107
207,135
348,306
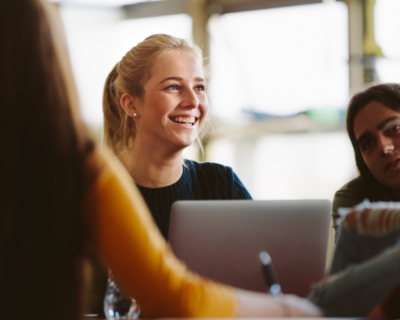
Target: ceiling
228,5
101,3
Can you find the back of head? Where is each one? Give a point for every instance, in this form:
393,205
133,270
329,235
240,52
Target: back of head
42,171
389,95
129,76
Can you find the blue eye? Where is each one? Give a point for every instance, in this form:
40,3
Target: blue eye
173,87
200,88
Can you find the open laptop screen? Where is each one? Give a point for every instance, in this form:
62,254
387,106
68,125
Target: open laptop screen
222,240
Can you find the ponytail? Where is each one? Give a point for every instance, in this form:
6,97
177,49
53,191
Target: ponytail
116,136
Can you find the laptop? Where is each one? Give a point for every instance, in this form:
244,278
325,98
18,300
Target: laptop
222,240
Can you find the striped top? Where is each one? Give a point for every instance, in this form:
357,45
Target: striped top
372,218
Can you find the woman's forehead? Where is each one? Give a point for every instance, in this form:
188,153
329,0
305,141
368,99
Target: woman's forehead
179,63
372,116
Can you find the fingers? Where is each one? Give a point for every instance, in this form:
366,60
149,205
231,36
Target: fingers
300,307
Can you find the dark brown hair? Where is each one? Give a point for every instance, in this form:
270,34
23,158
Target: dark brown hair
389,95
42,171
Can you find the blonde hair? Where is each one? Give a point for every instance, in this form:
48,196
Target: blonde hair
129,76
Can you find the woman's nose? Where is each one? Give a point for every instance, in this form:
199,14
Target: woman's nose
191,99
386,145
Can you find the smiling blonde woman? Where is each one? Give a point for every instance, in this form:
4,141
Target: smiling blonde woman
155,105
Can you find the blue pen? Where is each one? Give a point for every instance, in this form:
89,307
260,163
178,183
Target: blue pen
270,277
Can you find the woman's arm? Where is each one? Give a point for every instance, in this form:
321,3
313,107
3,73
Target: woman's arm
239,190
146,268
347,196
252,304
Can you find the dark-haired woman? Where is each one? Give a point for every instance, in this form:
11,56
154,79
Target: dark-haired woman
366,262
62,197
373,125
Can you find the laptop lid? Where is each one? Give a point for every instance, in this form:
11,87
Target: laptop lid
222,240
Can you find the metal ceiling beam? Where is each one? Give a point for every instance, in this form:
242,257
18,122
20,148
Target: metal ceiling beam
230,6
155,9
168,7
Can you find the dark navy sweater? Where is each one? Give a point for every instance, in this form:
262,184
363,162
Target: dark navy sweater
199,181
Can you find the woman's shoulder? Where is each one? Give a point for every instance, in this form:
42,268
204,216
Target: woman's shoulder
208,168
101,166
353,187
349,195
218,179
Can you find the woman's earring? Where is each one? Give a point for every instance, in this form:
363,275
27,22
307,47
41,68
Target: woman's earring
134,114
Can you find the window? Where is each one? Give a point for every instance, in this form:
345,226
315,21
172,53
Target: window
280,61
387,30
99,38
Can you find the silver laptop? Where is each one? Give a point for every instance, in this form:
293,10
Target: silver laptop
222,240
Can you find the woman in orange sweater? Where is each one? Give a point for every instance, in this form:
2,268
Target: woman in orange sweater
61,196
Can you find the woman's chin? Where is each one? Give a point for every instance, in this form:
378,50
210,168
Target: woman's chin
184,143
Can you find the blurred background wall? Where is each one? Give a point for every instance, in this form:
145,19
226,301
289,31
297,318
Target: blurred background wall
282,73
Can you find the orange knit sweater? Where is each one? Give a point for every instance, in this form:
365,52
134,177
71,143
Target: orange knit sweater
128,240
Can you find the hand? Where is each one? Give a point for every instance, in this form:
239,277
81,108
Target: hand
261,305
293,306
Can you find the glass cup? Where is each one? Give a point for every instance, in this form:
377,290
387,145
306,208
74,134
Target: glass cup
117,304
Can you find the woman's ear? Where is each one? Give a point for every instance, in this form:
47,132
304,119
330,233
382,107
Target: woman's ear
128,104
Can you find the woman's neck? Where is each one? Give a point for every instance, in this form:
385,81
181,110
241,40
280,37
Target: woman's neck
152,167
397,194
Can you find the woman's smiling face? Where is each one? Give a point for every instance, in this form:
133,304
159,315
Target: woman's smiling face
174,106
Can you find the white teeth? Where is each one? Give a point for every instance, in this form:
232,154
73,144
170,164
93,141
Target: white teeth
187,120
